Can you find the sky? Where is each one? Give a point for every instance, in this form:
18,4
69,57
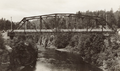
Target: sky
18,9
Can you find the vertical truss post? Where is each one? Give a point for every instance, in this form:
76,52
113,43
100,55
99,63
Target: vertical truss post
95,23
40,33
40,23
81,20
75,24
87,26
24,25
102,26
70,22
56,24
28,24
66,22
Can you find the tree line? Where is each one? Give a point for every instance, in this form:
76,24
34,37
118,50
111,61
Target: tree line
6,24
111,18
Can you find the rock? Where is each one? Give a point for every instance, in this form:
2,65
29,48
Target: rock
5,36
62,50
8,48
43,60
1,51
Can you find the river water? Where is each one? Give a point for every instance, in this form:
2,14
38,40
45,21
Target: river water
53,60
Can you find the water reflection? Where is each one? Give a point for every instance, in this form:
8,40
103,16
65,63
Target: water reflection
28,68
52,60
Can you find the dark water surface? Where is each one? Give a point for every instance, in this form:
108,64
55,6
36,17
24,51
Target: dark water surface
53,60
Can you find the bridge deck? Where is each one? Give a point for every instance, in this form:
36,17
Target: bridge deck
38,31
61,30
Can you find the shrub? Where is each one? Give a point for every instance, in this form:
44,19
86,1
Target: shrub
90,45
1,42
24,53
74,41
62,40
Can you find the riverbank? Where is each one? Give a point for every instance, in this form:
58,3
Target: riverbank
103,52
115,61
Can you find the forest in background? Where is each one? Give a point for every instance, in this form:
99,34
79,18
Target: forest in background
6,24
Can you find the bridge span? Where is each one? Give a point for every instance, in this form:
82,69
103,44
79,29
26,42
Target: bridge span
62,23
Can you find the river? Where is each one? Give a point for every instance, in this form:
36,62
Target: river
53,60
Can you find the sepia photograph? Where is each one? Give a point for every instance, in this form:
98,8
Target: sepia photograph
59,35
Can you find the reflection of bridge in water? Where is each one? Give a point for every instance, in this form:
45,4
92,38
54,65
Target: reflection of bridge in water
62,23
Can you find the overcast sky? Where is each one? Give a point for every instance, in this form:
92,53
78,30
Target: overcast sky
17,9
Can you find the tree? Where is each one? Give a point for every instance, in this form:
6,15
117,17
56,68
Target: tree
111,19
1,42
62,40
118,23
6,24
